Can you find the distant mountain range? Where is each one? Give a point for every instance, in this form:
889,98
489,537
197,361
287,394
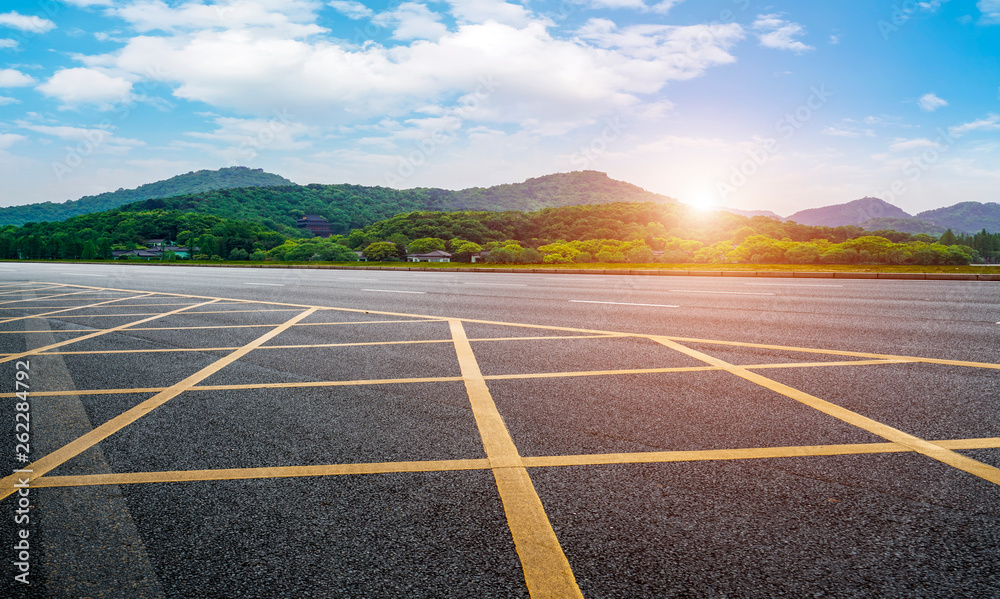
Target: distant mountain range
193,182
252,194
874,214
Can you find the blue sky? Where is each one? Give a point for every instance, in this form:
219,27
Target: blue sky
758,105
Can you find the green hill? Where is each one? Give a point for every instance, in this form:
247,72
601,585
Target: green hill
851,213
189,183
349,207
968,217
903,225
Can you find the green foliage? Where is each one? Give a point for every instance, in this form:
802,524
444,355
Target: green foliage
194,182
425,245
381,251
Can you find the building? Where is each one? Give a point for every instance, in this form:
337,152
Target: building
435,256
319,226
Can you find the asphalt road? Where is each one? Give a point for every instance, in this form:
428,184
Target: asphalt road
603,436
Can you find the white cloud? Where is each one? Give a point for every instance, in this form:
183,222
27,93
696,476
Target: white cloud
8,43
412,20
351,9
9,139
602,70
930,102
779,34
86,86
990,123
5,100
86,3
482,11
285,18
14,78
990,10
837,132
103,141
902,145
31,24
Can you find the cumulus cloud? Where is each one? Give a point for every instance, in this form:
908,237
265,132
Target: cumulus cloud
603,68
351,9
30,24
14,78
930,102
411,20
285,18
777,33
86,86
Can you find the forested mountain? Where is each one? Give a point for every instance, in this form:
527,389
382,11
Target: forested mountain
355,206
968,217
189,183
851,213
904,225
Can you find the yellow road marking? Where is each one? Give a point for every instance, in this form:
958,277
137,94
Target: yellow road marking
47,314
484,464
118,306
144,313
252,473
81,444
547,572
57,286
936,452
11,357
47,297
440,379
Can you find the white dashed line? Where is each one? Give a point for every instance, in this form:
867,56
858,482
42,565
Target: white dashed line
499,284
268,284
623,304
394,291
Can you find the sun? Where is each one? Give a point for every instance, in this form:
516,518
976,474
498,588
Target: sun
702,200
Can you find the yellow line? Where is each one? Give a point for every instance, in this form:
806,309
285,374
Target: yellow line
439,379
483,464
81,444
251,473
885,431
833,352
40,299
118,306
47,314
34,289
146,313
547,572
94,334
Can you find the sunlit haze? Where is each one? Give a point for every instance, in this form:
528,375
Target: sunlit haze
774,106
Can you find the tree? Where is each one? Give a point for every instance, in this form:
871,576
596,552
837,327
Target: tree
89,251
947,238
425,245
381,251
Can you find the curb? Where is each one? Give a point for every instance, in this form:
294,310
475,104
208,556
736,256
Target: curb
909,276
